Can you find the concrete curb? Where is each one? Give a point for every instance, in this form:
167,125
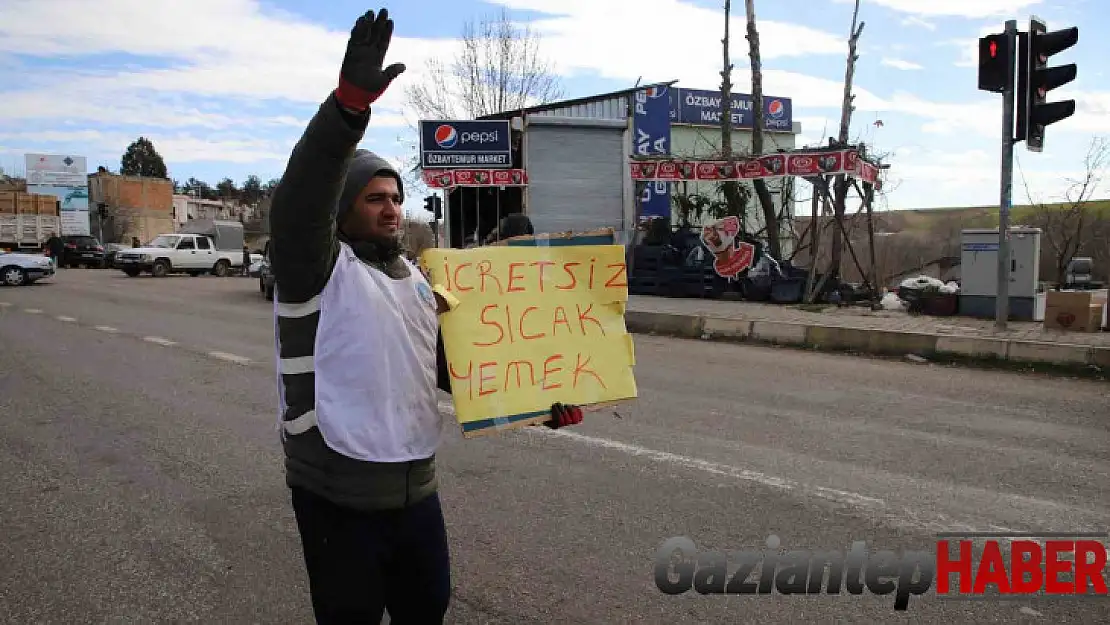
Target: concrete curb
879,342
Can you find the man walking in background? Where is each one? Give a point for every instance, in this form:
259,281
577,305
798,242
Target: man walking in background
56,247
359,359
246,261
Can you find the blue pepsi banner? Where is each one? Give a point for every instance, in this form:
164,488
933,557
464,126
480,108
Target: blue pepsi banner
466,144
651,136
703,108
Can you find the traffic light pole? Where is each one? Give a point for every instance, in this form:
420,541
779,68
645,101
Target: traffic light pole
1002,296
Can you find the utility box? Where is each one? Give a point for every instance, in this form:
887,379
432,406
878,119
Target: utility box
979,272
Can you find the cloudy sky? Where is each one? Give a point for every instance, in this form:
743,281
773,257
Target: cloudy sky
224,87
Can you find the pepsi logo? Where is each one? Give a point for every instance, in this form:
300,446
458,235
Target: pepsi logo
446,136
776,109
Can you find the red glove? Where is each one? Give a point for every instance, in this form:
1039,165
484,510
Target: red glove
563,415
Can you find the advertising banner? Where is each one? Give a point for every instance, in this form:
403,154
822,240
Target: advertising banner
824,163
450,178
56,170
651,131
731,256
531,326
466,143
66,178
700,107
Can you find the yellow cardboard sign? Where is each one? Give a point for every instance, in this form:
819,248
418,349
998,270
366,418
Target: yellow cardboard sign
531,326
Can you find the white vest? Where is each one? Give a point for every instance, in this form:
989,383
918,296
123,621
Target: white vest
375,364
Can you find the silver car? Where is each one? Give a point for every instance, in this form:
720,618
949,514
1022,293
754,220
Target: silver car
19,269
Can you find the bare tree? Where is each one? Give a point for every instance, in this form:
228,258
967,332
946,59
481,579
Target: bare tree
841,185
1065,225
736,201
416,236
770,218
498,68
119,226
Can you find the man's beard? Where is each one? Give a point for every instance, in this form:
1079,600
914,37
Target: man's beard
375,248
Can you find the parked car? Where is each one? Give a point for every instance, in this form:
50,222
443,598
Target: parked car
19,269
194,254
82,249
110,251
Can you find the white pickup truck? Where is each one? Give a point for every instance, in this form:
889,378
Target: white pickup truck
193,254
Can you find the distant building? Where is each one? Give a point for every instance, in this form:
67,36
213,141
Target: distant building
577,154
187,207
134,206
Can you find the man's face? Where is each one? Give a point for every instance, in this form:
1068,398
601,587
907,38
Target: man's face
376,213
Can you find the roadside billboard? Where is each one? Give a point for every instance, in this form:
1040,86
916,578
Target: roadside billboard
466,144
66,178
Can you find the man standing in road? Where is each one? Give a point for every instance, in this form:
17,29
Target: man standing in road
359,360
56,247
246,261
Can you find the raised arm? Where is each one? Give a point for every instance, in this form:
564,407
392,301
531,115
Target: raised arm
303,244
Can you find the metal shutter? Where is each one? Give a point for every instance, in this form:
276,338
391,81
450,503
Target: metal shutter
575,177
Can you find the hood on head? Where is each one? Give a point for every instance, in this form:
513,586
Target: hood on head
363,166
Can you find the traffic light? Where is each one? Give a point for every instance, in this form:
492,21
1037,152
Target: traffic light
996,61
434,204
1036,79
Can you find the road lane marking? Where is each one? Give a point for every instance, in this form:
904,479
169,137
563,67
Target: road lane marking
4,304
896,515
230,357
159,341
32,311
704,466
65,319
108,329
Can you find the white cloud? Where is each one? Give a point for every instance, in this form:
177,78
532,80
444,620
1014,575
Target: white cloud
234,49
937,177
174,148
215,48
900,64
953,8
235,80
1092,111
913,20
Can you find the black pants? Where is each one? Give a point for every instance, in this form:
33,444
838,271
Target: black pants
362,563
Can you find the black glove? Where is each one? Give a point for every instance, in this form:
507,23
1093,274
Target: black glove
362,79
563,415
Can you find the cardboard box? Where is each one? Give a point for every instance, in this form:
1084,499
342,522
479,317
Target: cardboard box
1074,311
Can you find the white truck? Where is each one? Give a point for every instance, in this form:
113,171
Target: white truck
193,254
24,232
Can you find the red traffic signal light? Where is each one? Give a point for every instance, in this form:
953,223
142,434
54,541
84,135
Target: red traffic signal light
996,63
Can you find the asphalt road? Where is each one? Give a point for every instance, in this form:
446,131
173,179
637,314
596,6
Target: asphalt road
142,476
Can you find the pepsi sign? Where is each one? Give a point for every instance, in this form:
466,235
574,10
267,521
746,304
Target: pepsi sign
703,108
470,144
